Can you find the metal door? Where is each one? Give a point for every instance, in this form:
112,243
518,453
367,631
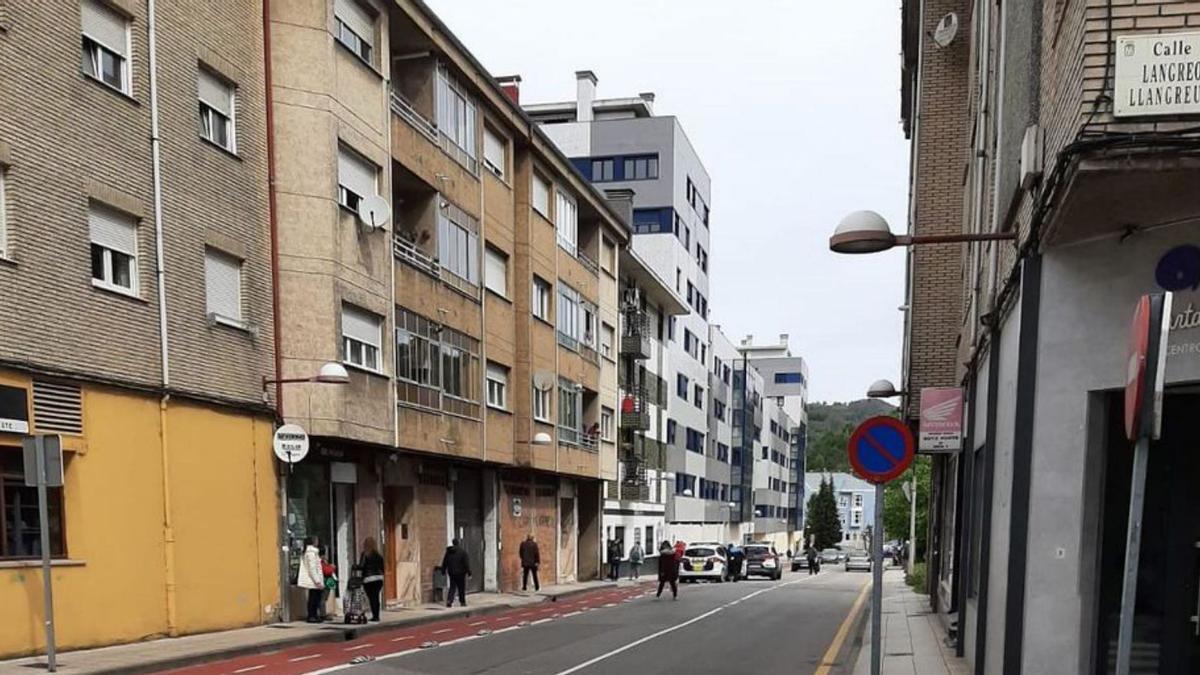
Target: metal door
468,522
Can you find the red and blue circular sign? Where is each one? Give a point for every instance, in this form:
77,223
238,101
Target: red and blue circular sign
881,448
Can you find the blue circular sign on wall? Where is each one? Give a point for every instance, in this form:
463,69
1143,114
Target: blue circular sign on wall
1179,269
880,449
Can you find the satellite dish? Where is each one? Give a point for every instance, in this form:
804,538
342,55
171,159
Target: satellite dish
946,30
374,212
543,380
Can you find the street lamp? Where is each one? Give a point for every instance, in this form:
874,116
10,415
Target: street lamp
883,389
330,373
868,232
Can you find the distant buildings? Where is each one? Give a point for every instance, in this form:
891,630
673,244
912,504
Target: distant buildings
855,503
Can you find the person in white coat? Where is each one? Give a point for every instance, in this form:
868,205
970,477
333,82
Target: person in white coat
311,578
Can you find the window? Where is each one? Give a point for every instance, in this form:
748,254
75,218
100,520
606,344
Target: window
355,28
357,178
681,386
843,501
602,169
695,440
456,117
698,397
608,256
495,273
223,285
19,505
541,195
568,315
568,411
641,168
719,410
765,453
540,303
566,220
858,501
360,338
541,405
418,359
216,110
856,519
606,423
494,150
607,335
789,378
460,367
105,52
497,386
671,431
114,249
458,243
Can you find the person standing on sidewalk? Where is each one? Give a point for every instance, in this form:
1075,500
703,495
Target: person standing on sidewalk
531,557
614,559
668,570
311,579
457,567
372,568
636,557
736,558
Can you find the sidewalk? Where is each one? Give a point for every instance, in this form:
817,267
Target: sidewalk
912,635
168,653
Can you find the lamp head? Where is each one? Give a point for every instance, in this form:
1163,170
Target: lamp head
541,438
862,232
332,373
882,389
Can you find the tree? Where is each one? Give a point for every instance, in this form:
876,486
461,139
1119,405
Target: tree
896,505
823,527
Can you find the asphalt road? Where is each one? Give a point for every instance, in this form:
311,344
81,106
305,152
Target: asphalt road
755,626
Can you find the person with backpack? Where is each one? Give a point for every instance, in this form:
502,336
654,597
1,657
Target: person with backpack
457,567
736,558
636,557
668,570
614,559
310,578
371,563
531,557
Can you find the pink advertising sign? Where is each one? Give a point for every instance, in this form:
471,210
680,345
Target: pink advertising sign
941,419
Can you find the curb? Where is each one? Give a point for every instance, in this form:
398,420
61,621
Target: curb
334,633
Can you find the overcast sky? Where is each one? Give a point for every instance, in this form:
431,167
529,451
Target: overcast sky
794,109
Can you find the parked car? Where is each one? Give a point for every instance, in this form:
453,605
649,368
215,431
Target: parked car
762,561
799,562
704,560
858,560
831,556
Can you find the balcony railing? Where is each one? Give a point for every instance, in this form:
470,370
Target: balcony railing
635,334
589,354
586,260
635,412
406,251
416,120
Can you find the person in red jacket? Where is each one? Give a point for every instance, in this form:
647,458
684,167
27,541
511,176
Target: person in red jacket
668,570
679,548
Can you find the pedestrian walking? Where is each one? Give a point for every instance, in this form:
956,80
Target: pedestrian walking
636,557
531,557
736,558
457,567
814,562
371,563
615,553
668,570
310,578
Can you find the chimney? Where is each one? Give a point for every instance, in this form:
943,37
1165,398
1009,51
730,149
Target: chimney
585,95
783,339
621,201
511,86
648,98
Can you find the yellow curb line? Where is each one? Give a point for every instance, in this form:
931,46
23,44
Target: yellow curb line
827,661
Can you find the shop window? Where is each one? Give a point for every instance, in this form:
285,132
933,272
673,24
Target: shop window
20,535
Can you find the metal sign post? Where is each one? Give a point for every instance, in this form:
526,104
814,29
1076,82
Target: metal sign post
1143,421
880,449
43,468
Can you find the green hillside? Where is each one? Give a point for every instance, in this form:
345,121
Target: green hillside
829,427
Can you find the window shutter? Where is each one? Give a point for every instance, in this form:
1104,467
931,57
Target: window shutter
496,272
357,174
356,17
360,325
112,229
541,195
497,372
223,282
215,93
493,150
104,26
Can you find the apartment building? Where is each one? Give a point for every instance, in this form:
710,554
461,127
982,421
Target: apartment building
135,261
636,500
721,448
434,241
621,143
855,504
1071,143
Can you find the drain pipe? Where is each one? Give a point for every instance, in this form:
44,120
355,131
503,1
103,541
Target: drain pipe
161,279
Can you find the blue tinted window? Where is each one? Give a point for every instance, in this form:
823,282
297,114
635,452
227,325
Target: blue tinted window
789,378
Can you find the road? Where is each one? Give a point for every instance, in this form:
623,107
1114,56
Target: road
752,626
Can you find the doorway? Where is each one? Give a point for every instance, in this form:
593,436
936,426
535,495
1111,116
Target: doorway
566,535
343,475
1166,635
468,523
402,580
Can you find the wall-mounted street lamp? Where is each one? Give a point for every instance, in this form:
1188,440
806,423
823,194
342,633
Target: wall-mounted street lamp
330,373
883,389
542,438
868,232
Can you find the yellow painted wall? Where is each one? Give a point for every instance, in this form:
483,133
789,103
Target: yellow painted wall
113,588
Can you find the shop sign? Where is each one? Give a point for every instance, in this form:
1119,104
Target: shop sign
14,410
1178,270
941,419
1157,74
291,443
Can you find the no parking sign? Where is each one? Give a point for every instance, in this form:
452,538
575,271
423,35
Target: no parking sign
881,448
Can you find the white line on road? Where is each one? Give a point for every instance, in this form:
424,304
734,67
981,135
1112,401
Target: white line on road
478,623
357,647
461,639
575,613
665,631
505,630
541,621
401,639
444,630
246,670
304,658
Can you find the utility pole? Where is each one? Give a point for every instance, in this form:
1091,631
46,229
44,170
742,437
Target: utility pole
912,523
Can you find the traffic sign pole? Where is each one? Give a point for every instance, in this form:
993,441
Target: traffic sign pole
877,584
1133,546
44,517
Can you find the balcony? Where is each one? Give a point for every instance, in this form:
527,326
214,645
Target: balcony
409,113
635,411
635,334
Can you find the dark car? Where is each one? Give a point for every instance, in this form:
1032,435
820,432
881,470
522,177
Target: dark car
762,561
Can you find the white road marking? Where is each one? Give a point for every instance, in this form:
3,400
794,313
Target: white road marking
304,658
478,623
575,613
246,670
611,604
504,630
444,630
461,639
357,647
665,631
541,621
401,639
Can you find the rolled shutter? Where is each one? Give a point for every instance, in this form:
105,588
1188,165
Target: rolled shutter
223,283
356,174
357,19
360,325
496,271
215,93
112,229
104,26
493,150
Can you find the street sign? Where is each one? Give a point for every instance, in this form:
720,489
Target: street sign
1146,366
881,448
291,443
941,419
43,462
53,469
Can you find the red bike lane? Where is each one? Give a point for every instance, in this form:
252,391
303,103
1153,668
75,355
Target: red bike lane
317,656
